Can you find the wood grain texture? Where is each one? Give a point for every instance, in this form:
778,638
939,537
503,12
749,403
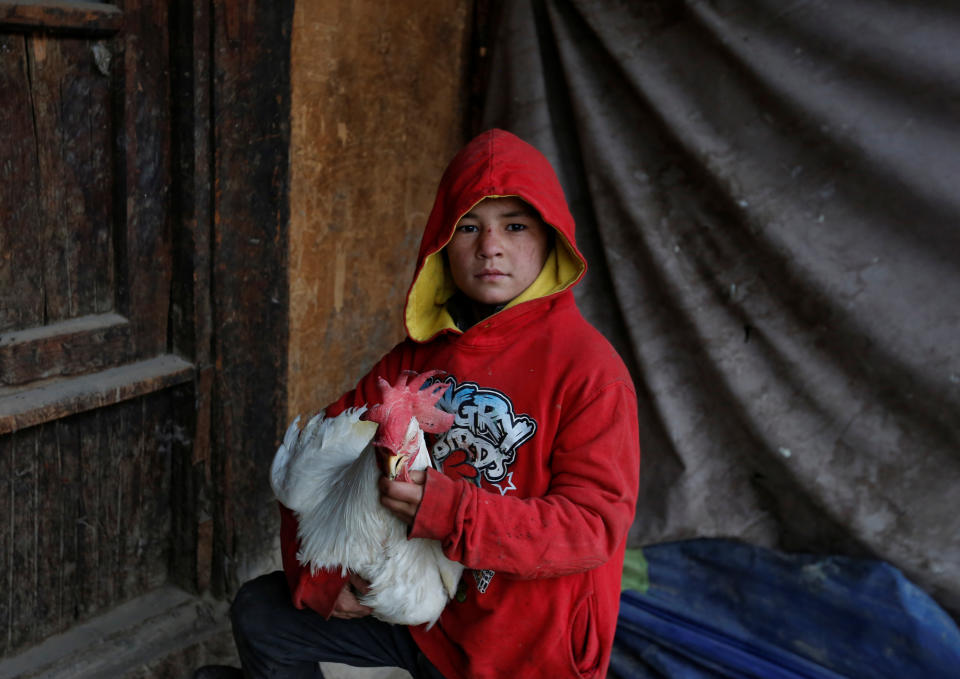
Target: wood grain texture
95,18
38,402
89,516
251,131
105,270
70,347
191,329
18,190
133,641
143,92
57,181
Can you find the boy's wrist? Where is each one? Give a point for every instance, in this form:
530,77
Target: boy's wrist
436,516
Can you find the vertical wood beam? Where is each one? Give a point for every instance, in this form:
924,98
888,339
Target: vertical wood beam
190,308
251,132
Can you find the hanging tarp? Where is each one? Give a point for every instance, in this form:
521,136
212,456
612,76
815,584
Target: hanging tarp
718,608
768,194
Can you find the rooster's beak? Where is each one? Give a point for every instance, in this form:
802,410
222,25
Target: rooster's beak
395,465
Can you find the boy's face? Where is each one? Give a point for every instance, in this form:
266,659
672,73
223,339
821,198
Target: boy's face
497,250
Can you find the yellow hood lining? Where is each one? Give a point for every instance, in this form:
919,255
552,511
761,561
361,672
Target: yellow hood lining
426,314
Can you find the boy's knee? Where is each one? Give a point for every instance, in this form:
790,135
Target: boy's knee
251,606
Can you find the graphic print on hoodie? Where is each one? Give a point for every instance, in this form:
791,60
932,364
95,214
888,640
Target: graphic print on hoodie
482,443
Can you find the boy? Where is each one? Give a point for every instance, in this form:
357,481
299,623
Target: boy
539,472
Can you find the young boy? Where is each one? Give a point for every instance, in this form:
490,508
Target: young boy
539,471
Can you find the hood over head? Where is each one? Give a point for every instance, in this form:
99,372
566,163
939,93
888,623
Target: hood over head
495,164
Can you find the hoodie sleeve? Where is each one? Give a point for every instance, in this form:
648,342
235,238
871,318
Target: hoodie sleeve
576,526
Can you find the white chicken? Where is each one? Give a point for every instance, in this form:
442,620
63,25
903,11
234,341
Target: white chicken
327,474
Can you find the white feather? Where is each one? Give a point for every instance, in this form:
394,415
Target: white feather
327,473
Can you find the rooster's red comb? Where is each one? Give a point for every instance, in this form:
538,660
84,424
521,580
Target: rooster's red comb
405,399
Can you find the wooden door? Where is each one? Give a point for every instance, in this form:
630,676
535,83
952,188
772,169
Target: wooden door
92,421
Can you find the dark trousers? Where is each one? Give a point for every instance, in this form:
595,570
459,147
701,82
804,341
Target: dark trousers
276,640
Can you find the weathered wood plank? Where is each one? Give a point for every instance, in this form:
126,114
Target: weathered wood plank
95,18
189,486
68,436
49,526
7,514
190,312
191,197
144,189
85,526
251,104
125,496
57,197
22,407
24,563
132,641
87,177
73,125
76,346
133,490
8,594
19,238
147,553
89,515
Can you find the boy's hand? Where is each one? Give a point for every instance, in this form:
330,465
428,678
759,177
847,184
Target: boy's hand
347,606
401,498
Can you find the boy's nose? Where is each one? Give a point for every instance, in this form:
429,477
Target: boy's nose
489,244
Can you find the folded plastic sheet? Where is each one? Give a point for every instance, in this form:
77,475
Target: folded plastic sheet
720,608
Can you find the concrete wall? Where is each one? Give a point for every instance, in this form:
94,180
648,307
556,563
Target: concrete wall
379,98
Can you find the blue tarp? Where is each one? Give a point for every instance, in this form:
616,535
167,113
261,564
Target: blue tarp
720,608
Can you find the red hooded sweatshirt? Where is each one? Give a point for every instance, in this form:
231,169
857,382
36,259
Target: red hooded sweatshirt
540,469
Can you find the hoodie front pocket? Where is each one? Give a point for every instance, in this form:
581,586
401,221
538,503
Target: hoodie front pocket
584,645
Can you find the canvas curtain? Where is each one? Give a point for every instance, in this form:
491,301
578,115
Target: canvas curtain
768,195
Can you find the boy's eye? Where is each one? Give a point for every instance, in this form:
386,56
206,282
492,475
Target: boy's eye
516,227
467,228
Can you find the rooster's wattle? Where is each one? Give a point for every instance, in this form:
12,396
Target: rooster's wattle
327,474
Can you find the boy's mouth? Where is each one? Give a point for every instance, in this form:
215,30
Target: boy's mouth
490,274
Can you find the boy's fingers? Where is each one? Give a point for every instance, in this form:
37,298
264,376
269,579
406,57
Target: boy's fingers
402,510
402,499
401,491
347,606
358,583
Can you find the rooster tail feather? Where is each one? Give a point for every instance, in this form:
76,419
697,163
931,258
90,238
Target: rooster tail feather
280,466
310,457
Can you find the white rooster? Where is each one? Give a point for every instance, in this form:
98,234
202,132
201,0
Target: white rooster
327,474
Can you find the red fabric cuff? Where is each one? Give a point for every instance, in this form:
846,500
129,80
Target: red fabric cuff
317,592
436,517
